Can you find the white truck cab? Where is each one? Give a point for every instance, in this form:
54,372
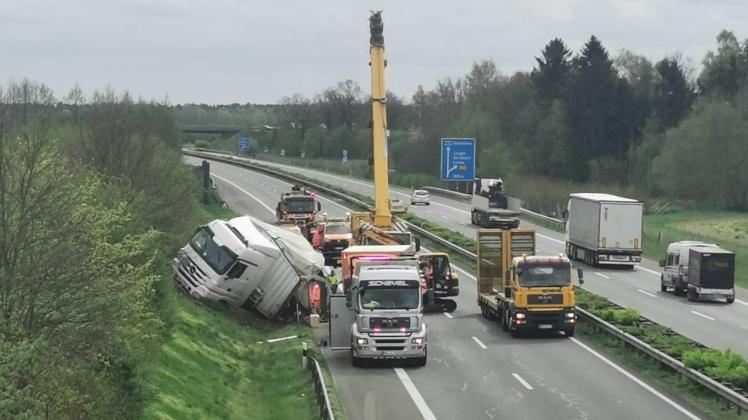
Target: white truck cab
675,266
388,305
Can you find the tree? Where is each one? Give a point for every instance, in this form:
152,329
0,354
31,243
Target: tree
673,93
726,70
481,83
551,74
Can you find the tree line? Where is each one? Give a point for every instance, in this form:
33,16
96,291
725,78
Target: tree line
92,198
656,129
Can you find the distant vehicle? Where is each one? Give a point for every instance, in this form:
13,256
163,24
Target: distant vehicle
397,206
420,197
491,205
337,236
699,270
604,229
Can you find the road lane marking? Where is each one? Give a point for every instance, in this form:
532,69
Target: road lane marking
635,379
429,212
448,315
602,275
445,217
646,293
480,343
550,239
415,395
265,206
522,381
742,302
638,267
702,315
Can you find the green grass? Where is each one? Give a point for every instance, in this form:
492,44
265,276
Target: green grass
728,229
653,373
211,365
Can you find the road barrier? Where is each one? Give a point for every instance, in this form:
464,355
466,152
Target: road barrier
323,398
448,193
722,390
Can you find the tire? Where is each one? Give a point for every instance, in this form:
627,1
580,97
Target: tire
569,332
451,305
730,299
677,291
428,204
504,321
663,287
421,361
690,295
356,361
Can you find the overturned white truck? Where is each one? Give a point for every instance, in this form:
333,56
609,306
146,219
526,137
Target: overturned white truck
244,262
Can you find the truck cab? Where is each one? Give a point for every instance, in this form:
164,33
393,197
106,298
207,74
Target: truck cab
336,237
388,305
675,266
298,206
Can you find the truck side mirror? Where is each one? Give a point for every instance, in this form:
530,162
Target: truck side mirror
662,262
580,274
319,206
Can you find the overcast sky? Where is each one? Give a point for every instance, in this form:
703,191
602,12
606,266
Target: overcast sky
224,51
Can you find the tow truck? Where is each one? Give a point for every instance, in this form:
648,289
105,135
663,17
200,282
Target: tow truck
299,207
523,291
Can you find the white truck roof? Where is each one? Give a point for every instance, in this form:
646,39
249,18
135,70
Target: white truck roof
254,237
602,197
355,249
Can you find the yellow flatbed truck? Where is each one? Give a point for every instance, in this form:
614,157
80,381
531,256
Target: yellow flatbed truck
521,290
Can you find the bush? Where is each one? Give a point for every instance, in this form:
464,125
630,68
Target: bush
727,366
626,316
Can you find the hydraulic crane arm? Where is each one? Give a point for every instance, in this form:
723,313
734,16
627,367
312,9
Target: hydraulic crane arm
382,216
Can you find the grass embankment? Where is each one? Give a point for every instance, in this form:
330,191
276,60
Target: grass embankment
213,364
728,229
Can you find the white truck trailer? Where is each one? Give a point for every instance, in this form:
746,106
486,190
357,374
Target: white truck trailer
244,262
604,229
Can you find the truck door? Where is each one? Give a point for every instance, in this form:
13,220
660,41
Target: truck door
235,282
671,266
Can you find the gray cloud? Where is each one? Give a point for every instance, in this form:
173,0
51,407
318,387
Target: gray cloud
224,51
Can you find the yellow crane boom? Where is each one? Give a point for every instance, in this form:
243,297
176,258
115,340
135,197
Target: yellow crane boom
382,216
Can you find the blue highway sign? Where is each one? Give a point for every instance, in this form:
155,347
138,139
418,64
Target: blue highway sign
244,144
458,160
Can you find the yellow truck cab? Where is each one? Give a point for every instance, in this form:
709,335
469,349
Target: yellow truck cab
524,292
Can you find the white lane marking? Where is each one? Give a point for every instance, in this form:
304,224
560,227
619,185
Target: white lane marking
646,293
429,212
480,343
464,272
550,239
602,275
445,217
702,315
265,206
448,315
638,267
415,395
636,380
522,381
742,302
275,340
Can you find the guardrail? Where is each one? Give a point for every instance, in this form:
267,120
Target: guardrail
448,193
543,220
728,394
323,398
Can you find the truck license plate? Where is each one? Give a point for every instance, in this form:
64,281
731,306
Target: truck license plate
545,326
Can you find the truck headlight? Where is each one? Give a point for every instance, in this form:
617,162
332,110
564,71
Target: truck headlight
417,341
520,315
362,341
570,315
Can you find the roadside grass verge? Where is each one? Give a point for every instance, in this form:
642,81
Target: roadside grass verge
728,229
215,364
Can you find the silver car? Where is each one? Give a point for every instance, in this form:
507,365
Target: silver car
419,197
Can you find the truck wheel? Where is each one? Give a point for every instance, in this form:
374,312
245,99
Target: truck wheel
569,332
505,321
356,361
421,361
730,299
691,295
450,305
663,287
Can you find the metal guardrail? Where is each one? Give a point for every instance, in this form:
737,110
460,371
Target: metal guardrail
448,193
726,393
551,222
320,388
739,400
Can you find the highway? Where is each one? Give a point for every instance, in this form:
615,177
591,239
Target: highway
475,371
713,324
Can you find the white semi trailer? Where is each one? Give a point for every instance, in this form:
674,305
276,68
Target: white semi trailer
604,229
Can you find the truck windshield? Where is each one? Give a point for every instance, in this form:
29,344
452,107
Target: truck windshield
337,229
219,258
550,275
400,298
301,205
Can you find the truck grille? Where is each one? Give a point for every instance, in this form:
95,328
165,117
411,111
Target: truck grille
335,245
189,274
389,344
389,323
547,299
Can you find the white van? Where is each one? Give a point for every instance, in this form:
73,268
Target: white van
675,266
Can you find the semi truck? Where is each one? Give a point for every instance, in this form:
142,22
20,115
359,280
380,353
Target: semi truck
490,205
244,262
521,290
300,207
604,229
388,306
699,270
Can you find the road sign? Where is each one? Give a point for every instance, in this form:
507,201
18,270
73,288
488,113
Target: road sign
458,160
345,155
244,144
